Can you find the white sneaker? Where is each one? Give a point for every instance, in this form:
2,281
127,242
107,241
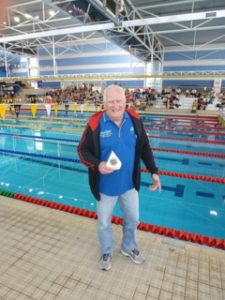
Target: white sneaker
135,256
105,262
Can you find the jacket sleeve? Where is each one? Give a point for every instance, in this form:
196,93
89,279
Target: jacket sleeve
86,149
147,154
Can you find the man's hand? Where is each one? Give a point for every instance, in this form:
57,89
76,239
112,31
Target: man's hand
103,169
156,183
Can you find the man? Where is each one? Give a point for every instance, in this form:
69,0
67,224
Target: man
122,132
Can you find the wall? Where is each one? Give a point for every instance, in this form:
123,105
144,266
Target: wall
187,62
91,57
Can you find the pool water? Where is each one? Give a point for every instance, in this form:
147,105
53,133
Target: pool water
38,158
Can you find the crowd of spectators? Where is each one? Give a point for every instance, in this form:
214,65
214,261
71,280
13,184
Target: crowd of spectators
139,98
202,98
171,98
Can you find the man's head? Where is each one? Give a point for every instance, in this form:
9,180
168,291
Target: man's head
114,102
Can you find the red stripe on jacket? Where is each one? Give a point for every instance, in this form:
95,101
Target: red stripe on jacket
88,164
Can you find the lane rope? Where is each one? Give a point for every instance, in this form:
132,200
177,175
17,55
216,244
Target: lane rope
143,170
186,139
187,152
188,176
187,131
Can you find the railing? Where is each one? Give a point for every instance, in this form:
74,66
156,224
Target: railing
117,76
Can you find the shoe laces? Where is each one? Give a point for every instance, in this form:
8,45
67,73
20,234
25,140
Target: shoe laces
135,252
105,257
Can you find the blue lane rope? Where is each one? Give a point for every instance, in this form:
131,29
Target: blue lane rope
40,155
40,137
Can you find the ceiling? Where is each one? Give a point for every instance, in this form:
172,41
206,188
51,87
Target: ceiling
146,28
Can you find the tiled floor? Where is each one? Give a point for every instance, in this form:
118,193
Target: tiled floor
48,254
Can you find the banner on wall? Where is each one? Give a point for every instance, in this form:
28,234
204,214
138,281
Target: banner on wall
33,110
56,108
2,111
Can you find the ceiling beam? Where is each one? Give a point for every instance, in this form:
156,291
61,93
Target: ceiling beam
176,18
210,47
178,30
47,33
25,3
110,25
175,3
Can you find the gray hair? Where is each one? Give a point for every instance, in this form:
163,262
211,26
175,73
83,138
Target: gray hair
112,87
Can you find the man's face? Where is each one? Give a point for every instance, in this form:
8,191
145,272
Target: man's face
115,104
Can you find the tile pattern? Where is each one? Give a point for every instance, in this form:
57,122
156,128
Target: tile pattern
48,254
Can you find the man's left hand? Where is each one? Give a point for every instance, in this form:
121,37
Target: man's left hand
156,183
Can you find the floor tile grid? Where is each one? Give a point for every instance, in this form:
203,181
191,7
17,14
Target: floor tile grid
48,254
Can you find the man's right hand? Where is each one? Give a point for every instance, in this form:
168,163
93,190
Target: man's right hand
103,169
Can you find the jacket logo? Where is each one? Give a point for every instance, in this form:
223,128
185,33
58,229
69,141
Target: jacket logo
105,134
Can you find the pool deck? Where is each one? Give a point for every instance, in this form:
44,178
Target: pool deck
48,254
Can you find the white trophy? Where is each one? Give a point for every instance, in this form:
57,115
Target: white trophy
113,161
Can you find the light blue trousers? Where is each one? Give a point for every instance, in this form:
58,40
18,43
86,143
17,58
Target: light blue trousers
129,204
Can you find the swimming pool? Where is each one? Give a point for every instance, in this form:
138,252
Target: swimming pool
39,159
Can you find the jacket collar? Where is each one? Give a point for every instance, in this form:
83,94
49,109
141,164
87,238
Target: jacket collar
94,120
